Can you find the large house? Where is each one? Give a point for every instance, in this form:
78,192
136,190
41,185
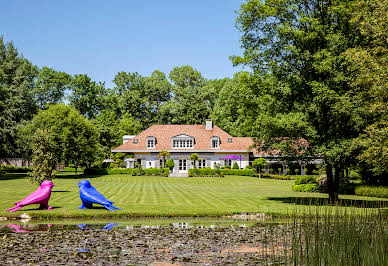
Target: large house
213,145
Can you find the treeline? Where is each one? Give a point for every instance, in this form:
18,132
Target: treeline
34,98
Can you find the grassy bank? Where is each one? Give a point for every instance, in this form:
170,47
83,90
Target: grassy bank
142,196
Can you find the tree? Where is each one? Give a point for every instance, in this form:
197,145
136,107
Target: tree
74,138
44,159
87,96
111,129
235,166
302,45
50,86
164,155
258,164
189,104
194,158
170,164
17,105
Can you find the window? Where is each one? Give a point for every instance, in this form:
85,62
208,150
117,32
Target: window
202,163
215,142
151,142
135,141
229,140
182,165
161,163
182,143
228,162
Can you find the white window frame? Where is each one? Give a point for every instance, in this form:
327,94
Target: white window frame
151,141
214,140
183,142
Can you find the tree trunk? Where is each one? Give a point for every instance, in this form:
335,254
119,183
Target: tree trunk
333,195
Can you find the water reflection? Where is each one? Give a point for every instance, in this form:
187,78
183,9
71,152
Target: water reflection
107,227
126,225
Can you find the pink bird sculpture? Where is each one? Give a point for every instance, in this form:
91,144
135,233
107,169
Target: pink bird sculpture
40,196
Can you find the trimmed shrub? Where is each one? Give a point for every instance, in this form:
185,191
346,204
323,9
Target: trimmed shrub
14,169
305,188
242,172
306,179
279,177
372,191
128,171
228,166
235,166
195,172
170,164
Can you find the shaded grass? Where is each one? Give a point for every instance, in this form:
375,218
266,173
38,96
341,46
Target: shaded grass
141,196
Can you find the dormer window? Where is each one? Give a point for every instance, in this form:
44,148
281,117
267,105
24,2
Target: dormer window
182,142
215,142
135,141
151,141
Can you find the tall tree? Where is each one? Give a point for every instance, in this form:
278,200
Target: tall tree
302,43
50,86
189,104
17,103
74,138
87,96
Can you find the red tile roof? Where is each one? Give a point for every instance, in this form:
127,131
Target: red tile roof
164,134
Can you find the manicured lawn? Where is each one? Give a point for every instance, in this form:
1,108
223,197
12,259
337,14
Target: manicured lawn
161,196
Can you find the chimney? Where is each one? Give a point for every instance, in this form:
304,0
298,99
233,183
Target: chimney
209,124
126,138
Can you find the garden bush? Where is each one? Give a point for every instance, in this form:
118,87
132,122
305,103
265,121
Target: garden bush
372,191
14,169
195,172
128,171
305,188
306,179
280,177
242,172
235,166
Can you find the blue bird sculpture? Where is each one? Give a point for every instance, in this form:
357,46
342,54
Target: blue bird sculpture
90,195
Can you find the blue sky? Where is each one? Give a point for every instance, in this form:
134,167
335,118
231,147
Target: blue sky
101,38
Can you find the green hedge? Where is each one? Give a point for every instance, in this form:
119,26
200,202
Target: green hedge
195,172
127,171
305,188
280,177
306,179
371,191
14,169
242,172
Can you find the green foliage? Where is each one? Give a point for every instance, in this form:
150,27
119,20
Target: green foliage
194,158
50,87
305,188
228,166
87,96
170,164
14,169
371,191
17,104
241,172
235,166
280,177
128,171
164,155
189,104
74,138
196,172
306,179
44,159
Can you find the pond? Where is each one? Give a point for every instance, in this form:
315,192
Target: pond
311,240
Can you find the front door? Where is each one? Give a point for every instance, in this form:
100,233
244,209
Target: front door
182,166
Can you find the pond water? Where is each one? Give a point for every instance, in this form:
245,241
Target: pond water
319,240
18,226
